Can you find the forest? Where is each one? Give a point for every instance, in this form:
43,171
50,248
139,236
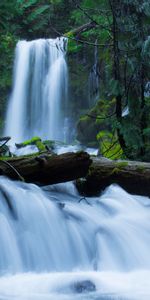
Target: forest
109,66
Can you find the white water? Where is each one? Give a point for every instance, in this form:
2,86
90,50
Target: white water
38,104
51,242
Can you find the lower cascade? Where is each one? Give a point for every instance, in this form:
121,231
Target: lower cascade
38,103
57,245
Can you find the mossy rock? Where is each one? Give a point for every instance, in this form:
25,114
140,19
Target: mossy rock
121,164
28,142
50,144
34,141
4,151
88,127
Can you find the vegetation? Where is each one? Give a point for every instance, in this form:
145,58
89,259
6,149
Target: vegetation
122,37
109,63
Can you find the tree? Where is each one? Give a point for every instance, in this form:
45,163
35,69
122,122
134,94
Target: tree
126,28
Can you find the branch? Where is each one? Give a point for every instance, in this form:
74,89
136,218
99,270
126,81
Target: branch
85,13
79,40
101,118
83,28
5,139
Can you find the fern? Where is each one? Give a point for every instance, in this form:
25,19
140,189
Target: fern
36,12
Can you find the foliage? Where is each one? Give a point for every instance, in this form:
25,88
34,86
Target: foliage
122,34
73,46
109,145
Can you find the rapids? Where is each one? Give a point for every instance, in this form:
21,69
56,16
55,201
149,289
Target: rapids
55,245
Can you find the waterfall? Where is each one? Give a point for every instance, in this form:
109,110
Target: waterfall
38,104
55,245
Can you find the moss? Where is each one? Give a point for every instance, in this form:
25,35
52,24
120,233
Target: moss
40,146
19,157
84,118
89,126
31,141
115,171
121,164
34,141
87,130
140,168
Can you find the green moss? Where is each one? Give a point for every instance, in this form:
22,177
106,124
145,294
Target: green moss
19,157
40,146
140,168
34,141
31,141
115,171
121,164
84,118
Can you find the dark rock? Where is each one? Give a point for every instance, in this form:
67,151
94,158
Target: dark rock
84,286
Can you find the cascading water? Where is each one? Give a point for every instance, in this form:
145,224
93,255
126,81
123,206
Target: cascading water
53,244
56,246
38,102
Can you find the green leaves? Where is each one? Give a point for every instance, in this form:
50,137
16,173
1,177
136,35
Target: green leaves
109,145
115,89
146,48
36,12
25,4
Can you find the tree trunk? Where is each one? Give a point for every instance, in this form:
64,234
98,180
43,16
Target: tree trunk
47,169
97,172
133,176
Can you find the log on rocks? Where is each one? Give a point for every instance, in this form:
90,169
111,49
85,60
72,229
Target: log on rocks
47,169
133,176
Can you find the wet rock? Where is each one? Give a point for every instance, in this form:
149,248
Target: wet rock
61,205
84,286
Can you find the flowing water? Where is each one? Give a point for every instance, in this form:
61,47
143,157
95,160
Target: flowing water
55,245
38,104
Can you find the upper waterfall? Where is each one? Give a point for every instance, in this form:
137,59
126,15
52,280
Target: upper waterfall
39,98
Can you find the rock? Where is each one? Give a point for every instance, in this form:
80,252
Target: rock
34,141
84,286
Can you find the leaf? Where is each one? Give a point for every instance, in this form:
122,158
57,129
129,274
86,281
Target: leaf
38,11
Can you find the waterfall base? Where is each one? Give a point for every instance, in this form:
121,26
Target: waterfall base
61,286
56,247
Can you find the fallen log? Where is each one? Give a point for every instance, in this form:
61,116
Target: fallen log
96,172
47,168
133,176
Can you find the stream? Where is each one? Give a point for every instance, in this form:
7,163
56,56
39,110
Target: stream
57,245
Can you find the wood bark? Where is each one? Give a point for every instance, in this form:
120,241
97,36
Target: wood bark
133,176
47,169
